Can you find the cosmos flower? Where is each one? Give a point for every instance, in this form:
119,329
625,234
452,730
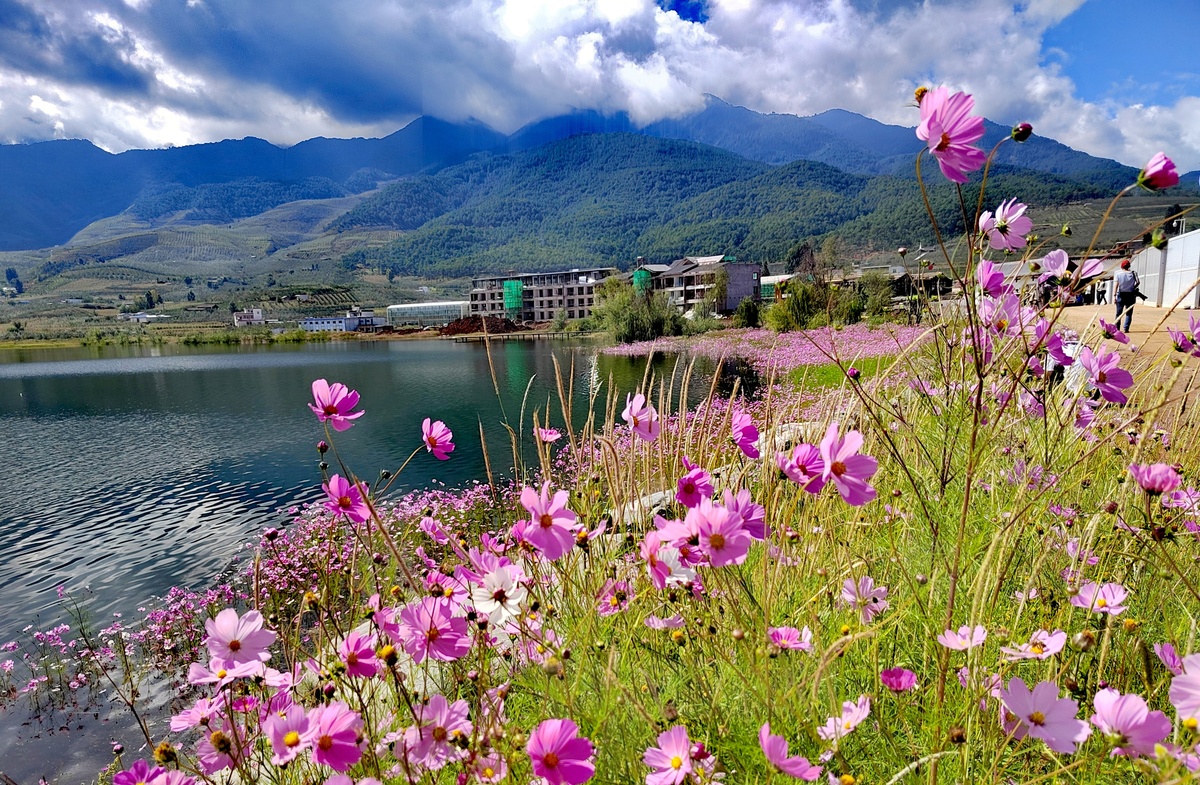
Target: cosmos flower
1042,646
745,434
1128,723
431,742
694,485
1101,599
671,760
804,466
1158,173
438,439
552,525
865,597
775,749
790,638
1104,374
1040,713
285,730
848,470
428,629
334,735
559,754
1007,227
950,131
966,638
641,417
1155,478
333,403
898,679
345,497
853,713
238,639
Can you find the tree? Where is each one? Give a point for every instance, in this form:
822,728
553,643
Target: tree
800,260
20,287
1173,223
630,316
233,307
191,296
746,314
187,281
10,274
148,299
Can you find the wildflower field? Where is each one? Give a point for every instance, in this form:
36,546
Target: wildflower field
977,565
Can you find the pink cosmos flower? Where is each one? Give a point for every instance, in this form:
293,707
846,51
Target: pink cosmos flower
431,742
966,638
202,712
357,652
1164,651
853,713
333,734
693,486
1128,723
559,754
790,638
1104,374
723,538
671,759
216,750
1112,332
438,439
1101,599
1042,715
346,498
754,516
848,470
552,525
671,623
1155,478
333,403
490,768
615,597
427,629
1185,689
286,730
663,564
865,597
804,466
898,679
238,639
1042,646
1180,340
641,417
1158,173
775,749
991,279
1006,229
949,130
745,434
549,435
139,773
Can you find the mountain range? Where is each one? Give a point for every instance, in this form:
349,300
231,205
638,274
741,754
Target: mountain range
458,198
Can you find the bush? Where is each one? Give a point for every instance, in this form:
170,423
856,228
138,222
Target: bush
747,314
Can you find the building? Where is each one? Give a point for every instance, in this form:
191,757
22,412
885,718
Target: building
427,314
538,297
770,285
356,320
252,317
1168,274
692,279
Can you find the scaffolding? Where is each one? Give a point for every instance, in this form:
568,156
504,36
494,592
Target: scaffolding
514,299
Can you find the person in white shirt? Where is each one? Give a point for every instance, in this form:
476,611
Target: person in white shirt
1127,286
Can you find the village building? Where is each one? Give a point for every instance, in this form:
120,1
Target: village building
538,297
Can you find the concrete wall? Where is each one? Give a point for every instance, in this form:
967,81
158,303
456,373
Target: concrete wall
1181,271
1149,263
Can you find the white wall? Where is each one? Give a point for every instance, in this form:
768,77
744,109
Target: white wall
1182,270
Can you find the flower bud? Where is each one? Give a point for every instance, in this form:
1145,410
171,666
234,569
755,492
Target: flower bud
903,251
958,735
853,374
1084,640
922,579
1066,230
919,93
322,447
1021,132
118,748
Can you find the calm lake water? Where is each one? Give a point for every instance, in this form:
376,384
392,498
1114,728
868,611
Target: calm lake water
130,470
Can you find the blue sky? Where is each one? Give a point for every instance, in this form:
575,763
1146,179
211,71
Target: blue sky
1112,77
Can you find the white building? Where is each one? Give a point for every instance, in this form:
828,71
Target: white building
1169,274
355,320
427,314
248,318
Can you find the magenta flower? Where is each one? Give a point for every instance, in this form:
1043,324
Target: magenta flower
286,730
1185,689
864,596
966,638
334,734
559,754
549,435
428,629
615,597
139,773
346,498
898,679
1006,229
438,439
1155,478
552,526
238,639
753,515
440,724
804,467
949,130
1042,646
1180,340
357,652
1112,332
853,713
693,486
848,470
641,417
1158,173
216,750
745,434
723,538
1104,374
1164,651
775,749
204,711
671,759
1129,724
991,280
790,638
333,403
1043,715
1101,599
221,672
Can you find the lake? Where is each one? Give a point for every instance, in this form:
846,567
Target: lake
133,469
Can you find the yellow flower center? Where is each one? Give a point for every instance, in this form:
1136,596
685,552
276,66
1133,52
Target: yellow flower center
676,762
292,739
1037,648
1037,718
222,673
1102,603
489,772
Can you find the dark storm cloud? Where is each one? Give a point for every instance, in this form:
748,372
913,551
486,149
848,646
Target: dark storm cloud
70,49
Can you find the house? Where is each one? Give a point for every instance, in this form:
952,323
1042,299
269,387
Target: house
687,282
538,297
249,318
427,314
355,320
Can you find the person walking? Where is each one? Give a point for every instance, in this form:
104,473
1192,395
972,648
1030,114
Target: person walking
1127,286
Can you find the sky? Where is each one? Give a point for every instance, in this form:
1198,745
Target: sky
1115,78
